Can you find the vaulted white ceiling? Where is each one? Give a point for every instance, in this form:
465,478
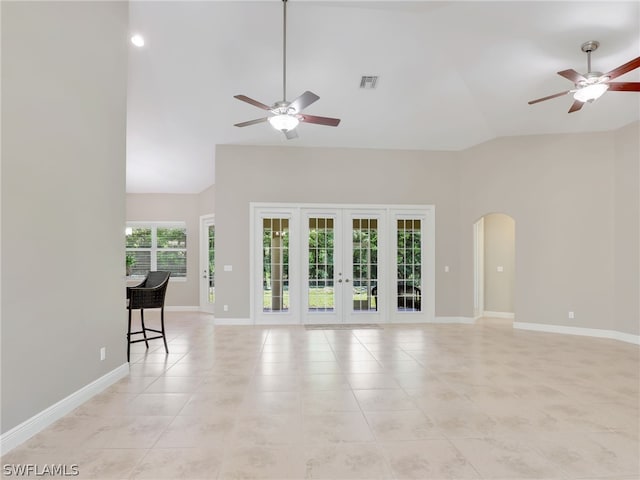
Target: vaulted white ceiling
451,75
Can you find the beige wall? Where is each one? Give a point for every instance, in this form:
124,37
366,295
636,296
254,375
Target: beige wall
563,192
499,244
627,230
163,207
206,201
159,207
559,190
63,190
328,175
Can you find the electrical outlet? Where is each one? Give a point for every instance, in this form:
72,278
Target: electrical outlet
103,353
571,315
446,269
226,308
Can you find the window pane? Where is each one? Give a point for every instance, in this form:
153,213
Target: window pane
275,266
321,294
365,258
141,263
409,264
174,262
139,238
172,238
212,264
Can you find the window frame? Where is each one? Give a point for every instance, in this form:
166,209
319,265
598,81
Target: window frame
154,249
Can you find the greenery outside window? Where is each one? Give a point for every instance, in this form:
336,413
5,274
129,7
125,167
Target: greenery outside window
157,246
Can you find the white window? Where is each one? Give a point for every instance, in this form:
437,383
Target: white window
157,246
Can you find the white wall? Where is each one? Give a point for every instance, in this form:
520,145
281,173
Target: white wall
63,191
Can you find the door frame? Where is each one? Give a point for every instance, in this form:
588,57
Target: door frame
343,264
203,272
478,268
426,213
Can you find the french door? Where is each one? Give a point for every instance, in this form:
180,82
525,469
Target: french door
342,264
207,263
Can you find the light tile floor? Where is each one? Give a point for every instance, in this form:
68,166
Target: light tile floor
425,402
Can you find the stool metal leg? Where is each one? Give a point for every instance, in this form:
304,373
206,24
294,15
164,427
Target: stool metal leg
129,338
164,337
144,329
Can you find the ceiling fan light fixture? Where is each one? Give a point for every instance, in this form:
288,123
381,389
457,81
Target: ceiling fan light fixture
284,122
137,40
590,92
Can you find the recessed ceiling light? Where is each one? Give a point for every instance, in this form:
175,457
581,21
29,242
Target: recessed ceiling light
137,40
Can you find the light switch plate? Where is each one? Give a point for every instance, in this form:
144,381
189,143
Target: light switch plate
228,268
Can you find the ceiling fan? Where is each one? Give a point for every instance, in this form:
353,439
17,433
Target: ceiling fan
592,85
285,116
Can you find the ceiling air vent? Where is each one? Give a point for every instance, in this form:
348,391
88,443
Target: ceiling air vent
368,81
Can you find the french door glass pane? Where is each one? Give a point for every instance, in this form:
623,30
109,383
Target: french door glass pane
321,294
275,265
365,264
409,261
212,264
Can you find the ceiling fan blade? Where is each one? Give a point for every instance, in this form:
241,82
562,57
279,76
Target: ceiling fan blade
577,105
624,86
251,122
253,102
555,95
291,134
303,101
622,69
572,75
330,122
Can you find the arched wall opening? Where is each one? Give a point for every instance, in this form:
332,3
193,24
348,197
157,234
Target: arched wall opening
494,266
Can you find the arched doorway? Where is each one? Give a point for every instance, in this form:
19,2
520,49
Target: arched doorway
494,266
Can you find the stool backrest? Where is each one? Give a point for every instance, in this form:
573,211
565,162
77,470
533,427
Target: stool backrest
155,279
151,293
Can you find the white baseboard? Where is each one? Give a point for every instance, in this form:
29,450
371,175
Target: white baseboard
498,314
588,332
233,321
27,429
465,320
248,321
181,308
282,321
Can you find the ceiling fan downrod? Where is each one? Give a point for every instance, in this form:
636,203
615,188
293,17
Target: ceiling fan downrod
588,47
284,51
